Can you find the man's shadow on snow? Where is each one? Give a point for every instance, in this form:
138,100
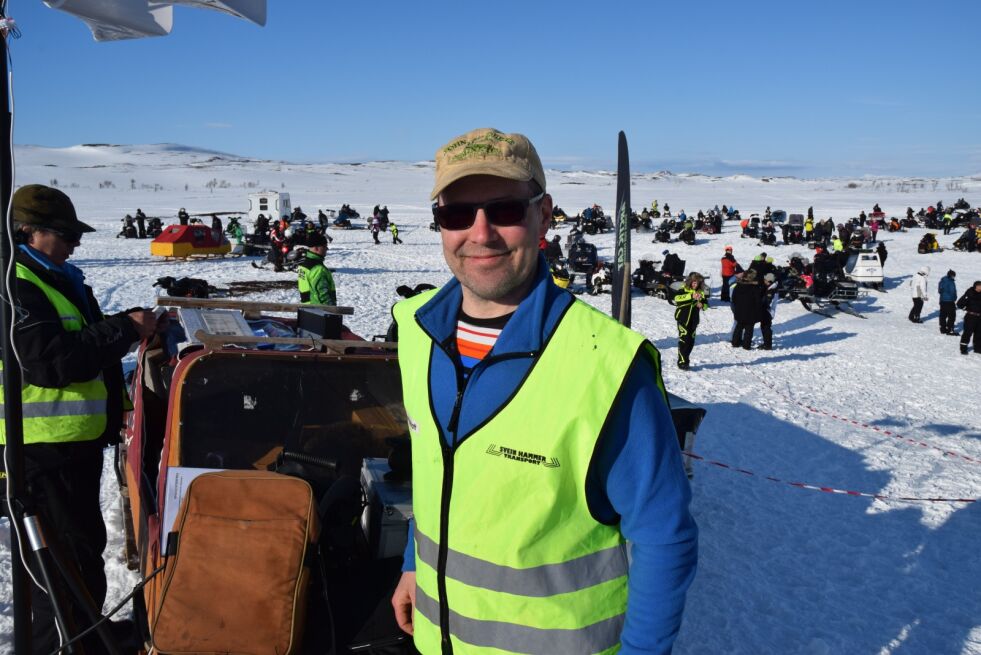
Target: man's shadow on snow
783,569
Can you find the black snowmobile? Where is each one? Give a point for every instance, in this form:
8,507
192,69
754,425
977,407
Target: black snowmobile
128,230
582,256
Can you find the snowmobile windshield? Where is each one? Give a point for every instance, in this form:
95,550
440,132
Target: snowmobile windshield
240,412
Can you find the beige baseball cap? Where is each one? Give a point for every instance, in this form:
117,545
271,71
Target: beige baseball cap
486,151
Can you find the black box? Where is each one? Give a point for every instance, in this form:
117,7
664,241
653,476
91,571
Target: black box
314,322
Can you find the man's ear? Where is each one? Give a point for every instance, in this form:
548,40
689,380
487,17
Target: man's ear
546,216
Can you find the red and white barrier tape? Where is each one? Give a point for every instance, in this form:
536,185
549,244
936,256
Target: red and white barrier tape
888,433
829,490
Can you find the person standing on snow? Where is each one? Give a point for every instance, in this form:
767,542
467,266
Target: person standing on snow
689,302
73,393
970,302
140,224
747,306
394,229
530,481
375,228
947,290
729,268
768,310
918,290
313,278
883,254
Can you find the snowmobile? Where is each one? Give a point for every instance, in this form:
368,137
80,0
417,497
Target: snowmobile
857,240
823,291
233,226
928,244
663,233
128,230
778,216
582,257
793,230
967,241
665,283
601,280
865,267
154,227
768,236
560,273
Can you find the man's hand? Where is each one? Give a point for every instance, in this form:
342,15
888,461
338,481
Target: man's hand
404,601
144,321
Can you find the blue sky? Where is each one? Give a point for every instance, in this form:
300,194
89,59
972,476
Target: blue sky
765,88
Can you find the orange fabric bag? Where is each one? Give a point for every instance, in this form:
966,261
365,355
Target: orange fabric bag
237,582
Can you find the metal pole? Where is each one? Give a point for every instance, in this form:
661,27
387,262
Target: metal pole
12,416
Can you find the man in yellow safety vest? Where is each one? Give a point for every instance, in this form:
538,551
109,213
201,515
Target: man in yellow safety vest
73,395
523,497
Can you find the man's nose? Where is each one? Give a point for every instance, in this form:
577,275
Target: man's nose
482,229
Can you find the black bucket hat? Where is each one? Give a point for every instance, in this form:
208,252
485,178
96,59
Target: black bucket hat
43,206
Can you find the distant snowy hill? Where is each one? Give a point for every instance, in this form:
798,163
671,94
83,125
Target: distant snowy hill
869,405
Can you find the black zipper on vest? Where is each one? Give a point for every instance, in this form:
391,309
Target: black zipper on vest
444,515
449,452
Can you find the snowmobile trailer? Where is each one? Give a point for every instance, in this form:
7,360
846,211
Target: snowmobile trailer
271,204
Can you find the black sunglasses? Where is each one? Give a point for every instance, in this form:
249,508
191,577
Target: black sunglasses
502,213
67,235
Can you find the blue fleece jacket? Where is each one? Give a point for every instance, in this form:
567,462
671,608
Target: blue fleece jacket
947,289
639,475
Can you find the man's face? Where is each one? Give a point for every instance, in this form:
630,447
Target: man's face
55,245
495,264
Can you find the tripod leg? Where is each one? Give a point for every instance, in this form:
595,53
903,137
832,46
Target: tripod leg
39,546
83,599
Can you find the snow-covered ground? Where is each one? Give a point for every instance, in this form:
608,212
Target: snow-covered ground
839,402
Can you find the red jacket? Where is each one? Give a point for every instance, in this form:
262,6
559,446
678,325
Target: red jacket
729,266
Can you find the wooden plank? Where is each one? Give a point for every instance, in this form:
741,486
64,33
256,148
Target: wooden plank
246,305
334,345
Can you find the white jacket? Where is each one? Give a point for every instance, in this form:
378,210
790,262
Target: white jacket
918,284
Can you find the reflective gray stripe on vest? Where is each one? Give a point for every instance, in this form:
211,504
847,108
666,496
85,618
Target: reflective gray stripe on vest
522,638
54,408
537,581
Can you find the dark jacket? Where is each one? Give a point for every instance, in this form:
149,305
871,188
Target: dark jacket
53,357
747,302
970,302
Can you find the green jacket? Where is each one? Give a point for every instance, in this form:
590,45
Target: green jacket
315,282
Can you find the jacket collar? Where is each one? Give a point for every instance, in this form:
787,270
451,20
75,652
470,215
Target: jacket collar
526,331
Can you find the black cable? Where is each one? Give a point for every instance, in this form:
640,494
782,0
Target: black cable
109,615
